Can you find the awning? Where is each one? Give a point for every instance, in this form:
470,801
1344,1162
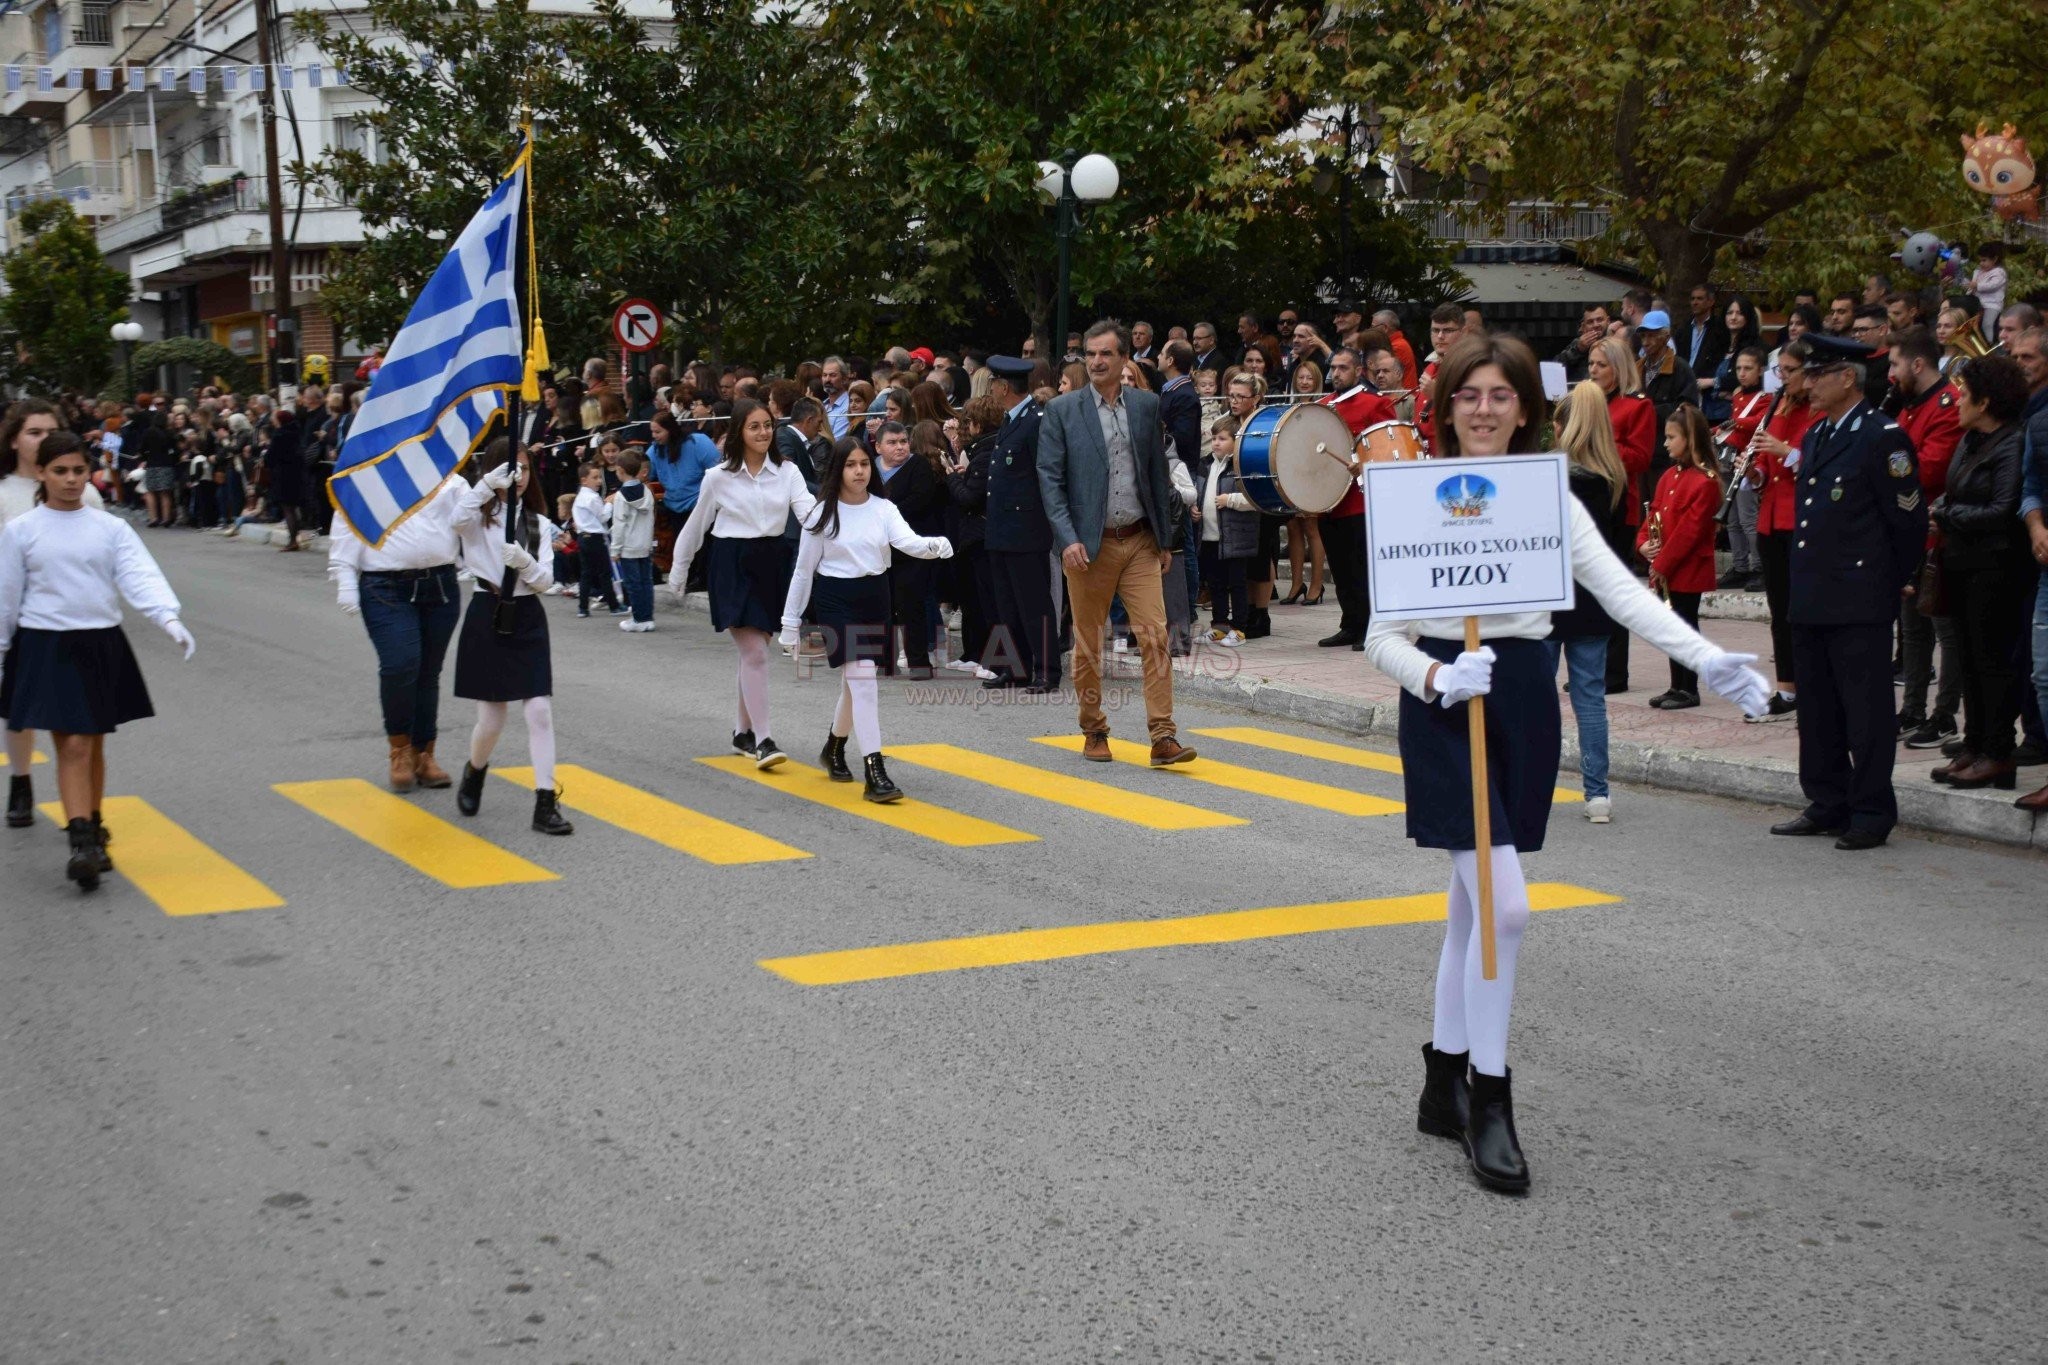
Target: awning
1505,286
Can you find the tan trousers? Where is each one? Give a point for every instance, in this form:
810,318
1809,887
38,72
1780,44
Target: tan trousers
1128,568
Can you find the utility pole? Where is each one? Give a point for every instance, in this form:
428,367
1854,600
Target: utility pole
286,328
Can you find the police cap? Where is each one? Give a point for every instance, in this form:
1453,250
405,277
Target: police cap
1017,372
1831,351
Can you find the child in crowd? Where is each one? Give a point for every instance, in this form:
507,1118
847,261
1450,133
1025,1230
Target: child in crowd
592,515
1677,541
633,538
1230,539
609,448
1987,282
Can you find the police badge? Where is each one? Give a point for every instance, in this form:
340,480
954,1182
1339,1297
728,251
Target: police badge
1901,464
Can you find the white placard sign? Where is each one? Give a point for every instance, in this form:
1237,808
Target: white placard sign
1469,537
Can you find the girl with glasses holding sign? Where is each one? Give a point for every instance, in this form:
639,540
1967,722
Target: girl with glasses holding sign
1489,395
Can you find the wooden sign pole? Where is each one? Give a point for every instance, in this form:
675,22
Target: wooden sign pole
1482,812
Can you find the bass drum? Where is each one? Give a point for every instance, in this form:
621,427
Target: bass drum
1294,459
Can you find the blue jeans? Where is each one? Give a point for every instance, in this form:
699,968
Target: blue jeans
638,576
2041,649
411,620
1585,658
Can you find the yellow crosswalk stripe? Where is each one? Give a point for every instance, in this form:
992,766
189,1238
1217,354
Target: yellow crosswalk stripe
1097,798
1280,787
171,866
425,843
38,756
910,815
1084,940
1352,755
653,817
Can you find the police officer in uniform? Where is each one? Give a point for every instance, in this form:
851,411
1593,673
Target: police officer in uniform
1861,529
1019,541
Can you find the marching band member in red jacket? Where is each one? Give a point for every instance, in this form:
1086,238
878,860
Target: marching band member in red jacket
1344,524
1749,407
1678,539
1773,471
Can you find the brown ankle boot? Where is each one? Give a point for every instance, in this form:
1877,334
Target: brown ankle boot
427,772
401,763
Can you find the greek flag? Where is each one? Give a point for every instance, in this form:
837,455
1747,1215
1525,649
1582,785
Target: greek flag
444,380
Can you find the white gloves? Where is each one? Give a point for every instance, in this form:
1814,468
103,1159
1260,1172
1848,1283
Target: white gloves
502,477
180,636
350,601
1465,677
1731,676
943,546
516,557
790,637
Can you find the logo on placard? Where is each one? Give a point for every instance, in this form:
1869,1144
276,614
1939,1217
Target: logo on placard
1465,496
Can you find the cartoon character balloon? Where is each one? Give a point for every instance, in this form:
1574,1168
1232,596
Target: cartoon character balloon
1998,165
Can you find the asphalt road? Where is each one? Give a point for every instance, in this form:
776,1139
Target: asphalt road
1781,1104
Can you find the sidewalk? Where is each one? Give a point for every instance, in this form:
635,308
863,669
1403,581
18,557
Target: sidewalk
1710,749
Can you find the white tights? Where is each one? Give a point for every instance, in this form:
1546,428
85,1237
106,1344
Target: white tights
20,750
1472,1012
753,681
540,736
859,712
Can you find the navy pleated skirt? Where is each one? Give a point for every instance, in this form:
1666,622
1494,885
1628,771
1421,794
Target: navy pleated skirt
854,614
1523,743
72,682
494,667
749,581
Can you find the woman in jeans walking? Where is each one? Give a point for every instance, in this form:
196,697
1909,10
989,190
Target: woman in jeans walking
1579,637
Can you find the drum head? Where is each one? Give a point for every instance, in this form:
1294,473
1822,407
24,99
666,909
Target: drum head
1311,458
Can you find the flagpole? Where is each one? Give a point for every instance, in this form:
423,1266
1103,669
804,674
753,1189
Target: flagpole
501,619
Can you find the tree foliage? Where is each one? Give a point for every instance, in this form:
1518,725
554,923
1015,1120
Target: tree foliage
1714,133
62,297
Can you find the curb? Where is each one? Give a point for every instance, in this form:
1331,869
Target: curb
1989,816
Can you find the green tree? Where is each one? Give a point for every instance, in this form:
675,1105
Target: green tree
62,297
1791,136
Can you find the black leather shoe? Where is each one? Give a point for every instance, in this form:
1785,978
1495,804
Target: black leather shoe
1860,840
1799,826
767,754
2030,755
998,684
102,838
470,794
1340,640
1446,1105
832,758
743,743
84,866
21,802
1039,687
547,817
1490,1140
879,788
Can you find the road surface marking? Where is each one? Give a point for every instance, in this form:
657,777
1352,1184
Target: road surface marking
425,843
653,817
1352,755
1097,798
911,815
168,864
1086,940
1280,787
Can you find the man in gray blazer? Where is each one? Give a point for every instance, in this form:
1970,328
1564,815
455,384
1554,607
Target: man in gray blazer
1102,470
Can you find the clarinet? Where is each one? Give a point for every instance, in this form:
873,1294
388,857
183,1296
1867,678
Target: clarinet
1742,461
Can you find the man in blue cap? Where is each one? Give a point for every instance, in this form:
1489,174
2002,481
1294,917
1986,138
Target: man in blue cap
1857,544
1667,380
1025,649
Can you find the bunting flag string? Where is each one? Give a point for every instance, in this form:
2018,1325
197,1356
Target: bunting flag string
198,80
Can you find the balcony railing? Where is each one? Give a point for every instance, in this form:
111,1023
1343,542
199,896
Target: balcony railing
99,177
182,208
1465,221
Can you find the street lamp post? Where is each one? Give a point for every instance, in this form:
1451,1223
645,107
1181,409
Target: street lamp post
1071,182
127,333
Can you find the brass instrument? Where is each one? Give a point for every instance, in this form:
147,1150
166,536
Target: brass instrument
1653,545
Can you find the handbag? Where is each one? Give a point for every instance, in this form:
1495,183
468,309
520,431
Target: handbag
1930,587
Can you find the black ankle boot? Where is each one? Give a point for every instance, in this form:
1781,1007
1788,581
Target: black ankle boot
1490,1135
84,867
880,788
101,839
470,795
21,802
1446,1104
833,758
546,818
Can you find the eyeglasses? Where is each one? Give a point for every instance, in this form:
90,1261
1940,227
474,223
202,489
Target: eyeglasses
1789,370
1474,399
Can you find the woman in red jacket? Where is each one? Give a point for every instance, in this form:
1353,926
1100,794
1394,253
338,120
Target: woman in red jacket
1612,365
1678,540
1773,474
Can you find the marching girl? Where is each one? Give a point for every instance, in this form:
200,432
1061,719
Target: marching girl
65,665
495,670
1489,401
21,437
743,507
1677,542
842,577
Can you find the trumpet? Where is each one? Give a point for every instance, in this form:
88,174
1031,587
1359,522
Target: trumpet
1745,459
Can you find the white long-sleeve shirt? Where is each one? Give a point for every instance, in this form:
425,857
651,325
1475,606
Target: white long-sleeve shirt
18,496
867,532
590,514
1390,645
483,547
71,571
742,506
424,540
